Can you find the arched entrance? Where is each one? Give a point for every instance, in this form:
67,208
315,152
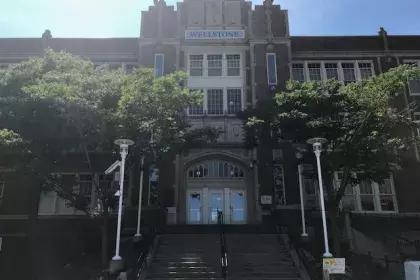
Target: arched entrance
216,185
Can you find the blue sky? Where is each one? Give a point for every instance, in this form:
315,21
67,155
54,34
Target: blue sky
121,18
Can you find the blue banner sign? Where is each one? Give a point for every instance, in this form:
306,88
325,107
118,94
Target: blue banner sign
214,34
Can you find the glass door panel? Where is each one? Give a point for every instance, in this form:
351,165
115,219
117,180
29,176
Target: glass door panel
237,206
194,207
216,204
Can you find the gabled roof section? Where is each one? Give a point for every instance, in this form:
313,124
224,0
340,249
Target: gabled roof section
337,43
20,46
95,45
404,42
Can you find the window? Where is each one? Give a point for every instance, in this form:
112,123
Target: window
369,196
215,65
366,70
367,202
349,74
129,68
85,186
215,101
114,66
298,72
159,65
331,71
220,101
386,196
347,71
271,69
348,200
413,86
196,65
216,169
234,100
233,64
311,186
314,70
197,109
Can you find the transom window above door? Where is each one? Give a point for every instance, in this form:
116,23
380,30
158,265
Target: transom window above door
214,65
215,169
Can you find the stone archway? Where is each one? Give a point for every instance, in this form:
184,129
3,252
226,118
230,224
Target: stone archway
213,181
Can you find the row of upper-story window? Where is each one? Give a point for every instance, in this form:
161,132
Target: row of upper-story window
214,65
363,197
218,101
346,71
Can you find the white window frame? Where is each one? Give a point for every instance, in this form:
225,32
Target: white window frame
205,64
163,63
225,64
77,178
275,69
304,71
339,68
133,66
413,61
204,102
203,67
225,101
192,170
376,197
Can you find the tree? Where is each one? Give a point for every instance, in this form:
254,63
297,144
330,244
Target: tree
61,105
367,135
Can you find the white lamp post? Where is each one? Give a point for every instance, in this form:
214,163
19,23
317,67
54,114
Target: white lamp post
302,206
117,261
317,146
138,236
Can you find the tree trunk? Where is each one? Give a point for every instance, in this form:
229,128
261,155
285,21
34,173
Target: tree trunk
104,236
33,252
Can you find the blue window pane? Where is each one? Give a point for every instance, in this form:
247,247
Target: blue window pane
271,69
159,62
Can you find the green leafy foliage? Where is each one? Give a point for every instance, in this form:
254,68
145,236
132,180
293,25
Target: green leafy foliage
60,104
366,134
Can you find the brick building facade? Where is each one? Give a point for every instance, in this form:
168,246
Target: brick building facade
237,55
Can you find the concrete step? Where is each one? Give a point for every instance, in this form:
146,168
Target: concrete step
197,256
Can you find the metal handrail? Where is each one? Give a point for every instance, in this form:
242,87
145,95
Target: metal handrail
223,244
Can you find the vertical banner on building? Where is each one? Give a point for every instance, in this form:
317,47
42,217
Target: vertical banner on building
153,193
278,178
279,186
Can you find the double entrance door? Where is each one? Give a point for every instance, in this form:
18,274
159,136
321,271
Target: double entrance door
203,205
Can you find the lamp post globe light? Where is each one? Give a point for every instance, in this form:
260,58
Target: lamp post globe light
117,263
299,156
317,147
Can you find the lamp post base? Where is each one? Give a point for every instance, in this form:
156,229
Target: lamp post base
304,237
138,237
327,255
116,265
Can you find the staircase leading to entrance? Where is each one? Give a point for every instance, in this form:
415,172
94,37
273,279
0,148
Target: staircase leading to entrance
197,256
